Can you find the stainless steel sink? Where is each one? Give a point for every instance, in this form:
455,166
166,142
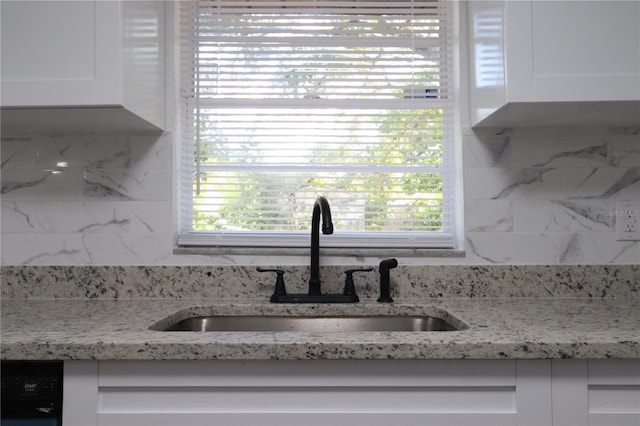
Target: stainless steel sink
330,324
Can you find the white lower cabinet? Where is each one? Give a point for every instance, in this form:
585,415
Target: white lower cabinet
358,392
596,393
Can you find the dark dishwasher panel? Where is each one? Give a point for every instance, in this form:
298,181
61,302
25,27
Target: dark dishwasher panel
31,393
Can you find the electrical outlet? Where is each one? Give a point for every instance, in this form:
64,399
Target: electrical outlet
627,216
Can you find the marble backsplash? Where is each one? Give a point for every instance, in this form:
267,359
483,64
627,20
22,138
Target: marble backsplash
531,196
544,195
407,281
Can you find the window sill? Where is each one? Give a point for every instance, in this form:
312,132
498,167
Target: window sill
303,251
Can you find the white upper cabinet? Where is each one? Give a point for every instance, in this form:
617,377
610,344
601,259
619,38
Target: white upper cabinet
82,65
554,62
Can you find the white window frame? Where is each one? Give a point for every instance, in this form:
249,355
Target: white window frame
265,242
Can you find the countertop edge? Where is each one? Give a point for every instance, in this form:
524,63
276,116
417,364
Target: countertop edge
499,329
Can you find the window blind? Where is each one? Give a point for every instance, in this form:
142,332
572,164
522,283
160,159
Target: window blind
284,101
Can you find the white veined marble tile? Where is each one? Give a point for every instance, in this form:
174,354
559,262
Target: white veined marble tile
624,150
124,184
74,150
622,183
36,216
562,216
148,216
44,249
488,215
541,132
87,249
35,184
128,249
596,248
513,184
486,150
18,152
87,150
151,152
22,217
559,151
64,217
511,248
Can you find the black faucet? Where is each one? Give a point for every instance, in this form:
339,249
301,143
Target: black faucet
320,208
322,211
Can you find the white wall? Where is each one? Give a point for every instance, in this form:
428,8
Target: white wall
532,196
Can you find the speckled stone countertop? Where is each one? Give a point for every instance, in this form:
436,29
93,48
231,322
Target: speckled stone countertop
509,311
515,328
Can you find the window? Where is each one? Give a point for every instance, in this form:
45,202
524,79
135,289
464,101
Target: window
284,101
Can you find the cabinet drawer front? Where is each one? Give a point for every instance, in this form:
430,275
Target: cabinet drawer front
308,399
306,372
315,419
373,393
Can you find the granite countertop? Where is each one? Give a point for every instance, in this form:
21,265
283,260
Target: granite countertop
515,328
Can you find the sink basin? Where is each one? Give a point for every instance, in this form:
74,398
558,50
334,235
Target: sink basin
331,324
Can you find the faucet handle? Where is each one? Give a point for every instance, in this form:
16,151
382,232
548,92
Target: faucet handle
349,287
279,289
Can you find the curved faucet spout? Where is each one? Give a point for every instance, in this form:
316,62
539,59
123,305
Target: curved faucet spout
320,208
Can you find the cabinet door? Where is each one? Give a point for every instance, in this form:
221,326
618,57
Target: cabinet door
372,393
554,63
47,52
586,50
76,54
614,392
282,393
61,53
596,392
